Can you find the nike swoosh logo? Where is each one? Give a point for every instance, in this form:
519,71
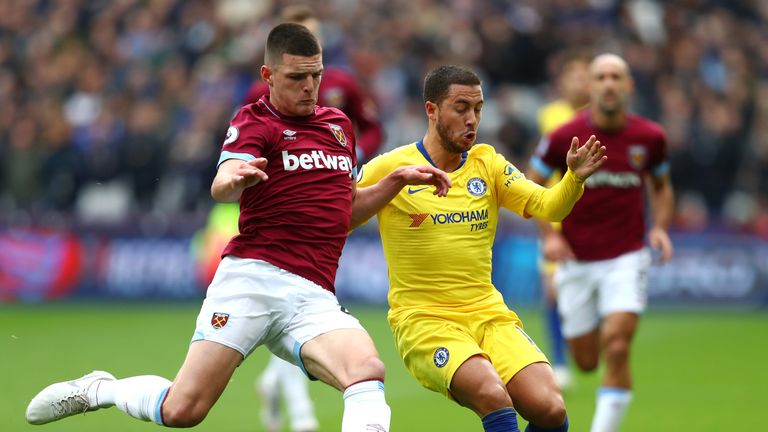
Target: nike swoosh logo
412,191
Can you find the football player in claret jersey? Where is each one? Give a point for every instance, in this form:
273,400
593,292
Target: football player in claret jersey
601,277
340,89
451,326
292,165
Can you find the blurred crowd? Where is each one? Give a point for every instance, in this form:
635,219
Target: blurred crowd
113,108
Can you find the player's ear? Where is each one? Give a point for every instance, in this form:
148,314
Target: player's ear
266,74
431,109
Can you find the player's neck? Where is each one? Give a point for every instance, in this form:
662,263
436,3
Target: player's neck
608,122
442,158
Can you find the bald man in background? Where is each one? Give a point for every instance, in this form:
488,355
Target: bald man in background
601,251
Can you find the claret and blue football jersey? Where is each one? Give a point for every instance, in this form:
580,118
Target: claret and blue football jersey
297,220
609,220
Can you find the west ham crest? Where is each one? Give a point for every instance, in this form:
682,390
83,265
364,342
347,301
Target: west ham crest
219,319
338,132
637,156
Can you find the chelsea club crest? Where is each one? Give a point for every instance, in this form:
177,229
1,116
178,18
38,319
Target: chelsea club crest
441,357
476,186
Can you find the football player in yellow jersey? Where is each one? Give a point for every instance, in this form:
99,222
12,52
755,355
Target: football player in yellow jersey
451,326
572,83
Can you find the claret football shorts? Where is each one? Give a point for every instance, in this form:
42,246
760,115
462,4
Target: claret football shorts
587,291
252,302
434,343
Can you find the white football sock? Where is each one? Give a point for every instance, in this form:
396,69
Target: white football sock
365,408
140,397
271,375
296,391
612,403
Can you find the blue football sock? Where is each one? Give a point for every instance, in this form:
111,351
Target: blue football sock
533,428
556,340
503,420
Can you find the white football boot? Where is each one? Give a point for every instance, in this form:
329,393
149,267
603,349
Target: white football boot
65,399
563,377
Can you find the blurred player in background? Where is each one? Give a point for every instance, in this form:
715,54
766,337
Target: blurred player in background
602,260
451,326
572,87
292,166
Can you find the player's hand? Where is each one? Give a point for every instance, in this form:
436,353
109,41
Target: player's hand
659,240
249,173
426,175
555,248
585,160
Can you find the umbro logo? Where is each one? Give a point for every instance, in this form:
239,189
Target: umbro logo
289,134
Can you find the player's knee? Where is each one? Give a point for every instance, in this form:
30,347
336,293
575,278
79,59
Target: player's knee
617,350
487,397
368,368
544,406
548,413
586,362
183,415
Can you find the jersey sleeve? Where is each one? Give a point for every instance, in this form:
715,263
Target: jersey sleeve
373,171
658,165
527,198
549,156
246,138
513,189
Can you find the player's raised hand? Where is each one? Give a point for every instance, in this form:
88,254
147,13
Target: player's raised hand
234,176
585,160
426,175
250,173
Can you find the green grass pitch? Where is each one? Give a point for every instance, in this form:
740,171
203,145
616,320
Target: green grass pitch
694,370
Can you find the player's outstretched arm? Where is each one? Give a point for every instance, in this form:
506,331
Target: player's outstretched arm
234,176
555,203
585,160
554,247
367,201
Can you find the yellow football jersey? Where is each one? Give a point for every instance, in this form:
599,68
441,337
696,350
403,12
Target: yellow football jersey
553,115
438,249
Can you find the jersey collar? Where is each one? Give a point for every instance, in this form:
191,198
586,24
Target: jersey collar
423,151
272,110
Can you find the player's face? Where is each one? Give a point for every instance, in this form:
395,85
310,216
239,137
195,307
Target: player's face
293,84
610,85
458,116
574,83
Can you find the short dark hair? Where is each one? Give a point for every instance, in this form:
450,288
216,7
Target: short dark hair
439,80
290,38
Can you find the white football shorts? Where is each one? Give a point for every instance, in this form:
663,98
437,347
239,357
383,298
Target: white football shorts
252,302
589,290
